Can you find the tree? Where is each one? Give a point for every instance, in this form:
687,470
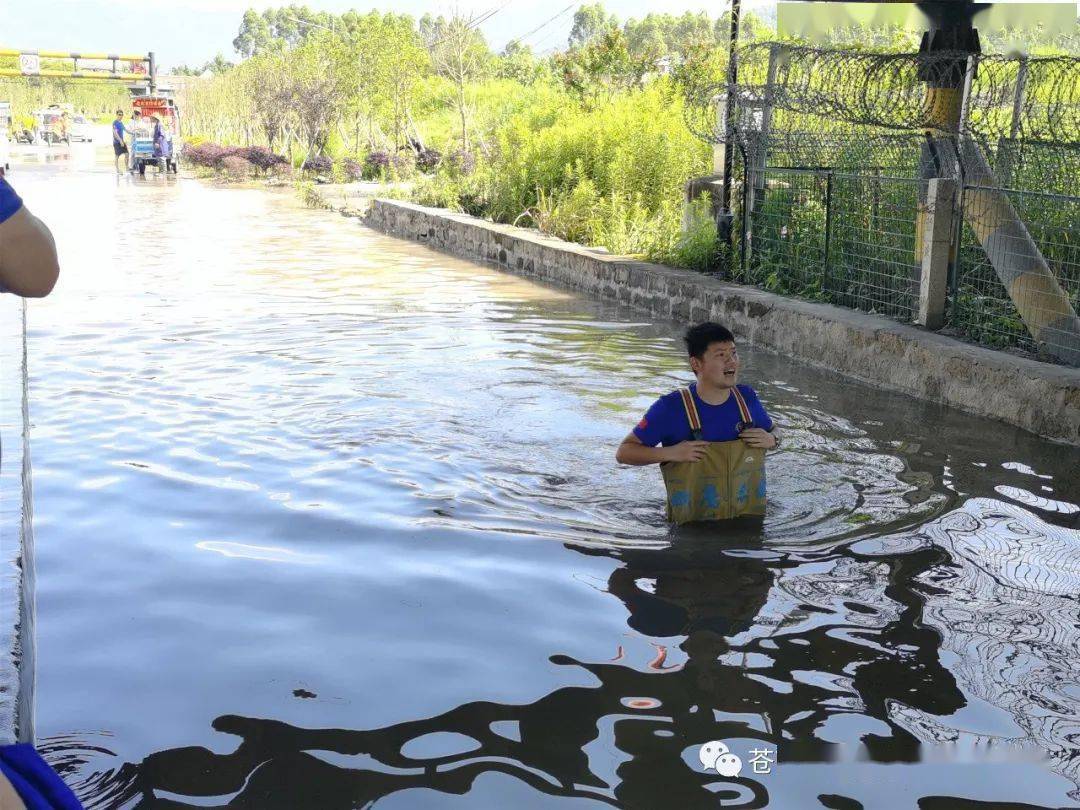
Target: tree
266,81
460,54
254,35
288,25
389,62
218,65
590,23
751,28
648,38
517,62
689,30
319,71
601,67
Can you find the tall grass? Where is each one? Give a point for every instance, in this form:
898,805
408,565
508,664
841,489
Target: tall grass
609,175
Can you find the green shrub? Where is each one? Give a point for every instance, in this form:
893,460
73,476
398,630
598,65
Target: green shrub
609,175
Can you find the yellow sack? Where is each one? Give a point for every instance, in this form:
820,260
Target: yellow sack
728,482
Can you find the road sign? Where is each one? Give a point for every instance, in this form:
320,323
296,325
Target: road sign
29,64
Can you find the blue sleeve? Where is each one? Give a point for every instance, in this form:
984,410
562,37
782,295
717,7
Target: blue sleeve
650,430
757,410
10,202
37,784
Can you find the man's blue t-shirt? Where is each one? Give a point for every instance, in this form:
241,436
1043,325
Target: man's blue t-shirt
666,423
9,201
118,131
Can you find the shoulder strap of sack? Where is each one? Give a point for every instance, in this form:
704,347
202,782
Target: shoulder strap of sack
691,413
745,419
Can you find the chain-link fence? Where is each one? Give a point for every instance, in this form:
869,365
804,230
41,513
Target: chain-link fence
835,151
848,239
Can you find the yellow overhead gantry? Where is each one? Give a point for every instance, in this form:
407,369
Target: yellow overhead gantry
140,68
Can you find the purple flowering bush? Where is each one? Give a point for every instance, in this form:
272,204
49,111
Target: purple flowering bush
237,168
261,157
353,170
461,162
318,164
375,164
379,164
208,155
428,159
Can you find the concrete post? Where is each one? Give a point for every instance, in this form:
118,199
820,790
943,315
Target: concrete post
720,146
936,247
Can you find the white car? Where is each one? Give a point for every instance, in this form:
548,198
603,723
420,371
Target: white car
81,129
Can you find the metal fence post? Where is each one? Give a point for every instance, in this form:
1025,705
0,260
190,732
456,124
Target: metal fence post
957,243
936,247
747,198
828,229
1006,157
875,199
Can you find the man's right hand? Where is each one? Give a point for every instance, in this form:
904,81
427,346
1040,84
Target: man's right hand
687,451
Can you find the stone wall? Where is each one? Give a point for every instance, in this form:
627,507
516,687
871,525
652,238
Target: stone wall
16,539
1039,397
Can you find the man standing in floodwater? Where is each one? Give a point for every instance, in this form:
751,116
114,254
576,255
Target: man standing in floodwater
119,131
713,436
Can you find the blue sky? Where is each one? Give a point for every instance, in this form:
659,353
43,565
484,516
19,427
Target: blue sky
192,31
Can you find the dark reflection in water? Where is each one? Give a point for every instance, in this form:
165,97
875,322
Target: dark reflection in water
325,519
780,682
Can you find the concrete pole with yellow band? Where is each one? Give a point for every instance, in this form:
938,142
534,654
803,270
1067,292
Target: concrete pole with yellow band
729,480
950,48
1039,298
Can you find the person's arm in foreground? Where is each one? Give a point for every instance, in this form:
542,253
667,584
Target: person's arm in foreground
28,262
643,444
633,452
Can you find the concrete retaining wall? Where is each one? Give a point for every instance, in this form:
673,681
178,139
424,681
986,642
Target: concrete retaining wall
1039,397
16,539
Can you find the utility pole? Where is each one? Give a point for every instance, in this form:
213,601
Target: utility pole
727,217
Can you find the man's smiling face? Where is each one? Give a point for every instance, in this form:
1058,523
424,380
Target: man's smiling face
718,366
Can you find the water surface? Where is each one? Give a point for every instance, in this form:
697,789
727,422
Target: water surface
325,519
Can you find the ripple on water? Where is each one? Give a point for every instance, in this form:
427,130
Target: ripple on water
1007,608
292,451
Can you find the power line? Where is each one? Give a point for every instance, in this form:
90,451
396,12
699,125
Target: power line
543,24
485,17
473,23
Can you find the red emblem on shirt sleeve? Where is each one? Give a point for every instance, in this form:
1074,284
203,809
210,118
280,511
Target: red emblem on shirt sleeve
644,423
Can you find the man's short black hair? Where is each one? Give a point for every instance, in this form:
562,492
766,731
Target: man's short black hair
119,112
699,337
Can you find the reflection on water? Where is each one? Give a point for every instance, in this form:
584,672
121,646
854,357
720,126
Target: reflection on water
327,519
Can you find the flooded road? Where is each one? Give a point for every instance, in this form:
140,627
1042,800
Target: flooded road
324,519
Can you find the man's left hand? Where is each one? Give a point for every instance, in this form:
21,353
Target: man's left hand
756,437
